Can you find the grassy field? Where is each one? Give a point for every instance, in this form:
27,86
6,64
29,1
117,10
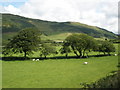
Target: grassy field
57,73
60,73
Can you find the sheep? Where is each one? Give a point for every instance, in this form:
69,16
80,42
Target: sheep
85,62
115,54
37,59
33,59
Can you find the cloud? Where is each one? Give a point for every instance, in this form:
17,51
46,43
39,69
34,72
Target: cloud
101,13
12,9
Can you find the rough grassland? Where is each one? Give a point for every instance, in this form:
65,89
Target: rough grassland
60,73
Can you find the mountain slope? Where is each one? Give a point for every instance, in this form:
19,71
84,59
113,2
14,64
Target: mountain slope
11,24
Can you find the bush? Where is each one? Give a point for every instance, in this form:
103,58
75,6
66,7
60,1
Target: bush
111,81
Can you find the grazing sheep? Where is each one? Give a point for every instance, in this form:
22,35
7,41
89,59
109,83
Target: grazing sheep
85,62
33,60
37,59
115,54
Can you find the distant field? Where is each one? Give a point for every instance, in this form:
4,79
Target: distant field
61,36
67,73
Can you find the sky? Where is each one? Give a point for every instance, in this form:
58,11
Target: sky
101,13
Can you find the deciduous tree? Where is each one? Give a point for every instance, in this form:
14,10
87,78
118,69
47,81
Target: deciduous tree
80,43
26,41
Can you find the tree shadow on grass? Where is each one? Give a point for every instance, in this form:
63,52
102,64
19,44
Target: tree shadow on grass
48,58
14,58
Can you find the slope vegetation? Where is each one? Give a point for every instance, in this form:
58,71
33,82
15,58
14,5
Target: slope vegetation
11,24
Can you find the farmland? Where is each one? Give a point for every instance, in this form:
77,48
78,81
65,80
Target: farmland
57,73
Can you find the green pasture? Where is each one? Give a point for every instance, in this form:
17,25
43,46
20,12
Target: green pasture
59,73
56,73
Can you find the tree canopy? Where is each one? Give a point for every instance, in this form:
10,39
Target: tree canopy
47,49
26,41
107,47
80,43
65,49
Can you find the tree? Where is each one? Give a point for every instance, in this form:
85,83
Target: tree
65,49
47,49
106,47
80,43
26,41
89,43
75,43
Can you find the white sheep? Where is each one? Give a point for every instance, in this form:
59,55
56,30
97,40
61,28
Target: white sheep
33,59
85,62
37,59
115,54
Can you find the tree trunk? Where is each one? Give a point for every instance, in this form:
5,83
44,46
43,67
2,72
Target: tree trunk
40,55
104,53
25,54
109,54
87,54
66,55
45,57
80,54
83,53
74,51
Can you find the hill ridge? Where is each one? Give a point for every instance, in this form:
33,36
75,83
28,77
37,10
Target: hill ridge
14,23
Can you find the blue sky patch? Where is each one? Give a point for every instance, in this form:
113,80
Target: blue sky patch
15,3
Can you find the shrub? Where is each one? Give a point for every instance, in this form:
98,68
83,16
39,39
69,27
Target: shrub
111,81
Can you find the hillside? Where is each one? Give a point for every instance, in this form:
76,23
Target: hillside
11,24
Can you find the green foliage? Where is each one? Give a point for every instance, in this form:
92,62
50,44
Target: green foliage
25,42
47,49
13,23
110,81
106,47
80,43
65,49
115,40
